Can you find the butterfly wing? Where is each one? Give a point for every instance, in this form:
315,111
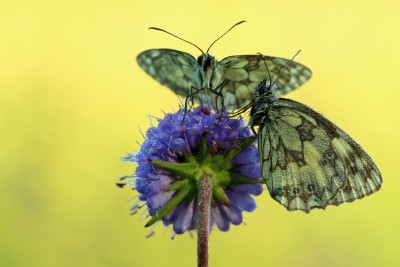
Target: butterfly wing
175,69
308,162
243,73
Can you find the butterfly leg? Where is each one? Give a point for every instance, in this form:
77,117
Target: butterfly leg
217,92
193,92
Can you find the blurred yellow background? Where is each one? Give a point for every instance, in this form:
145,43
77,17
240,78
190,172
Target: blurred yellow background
72,99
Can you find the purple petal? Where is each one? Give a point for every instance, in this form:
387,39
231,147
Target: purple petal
219,217
242,201
234,214
156,202
183,221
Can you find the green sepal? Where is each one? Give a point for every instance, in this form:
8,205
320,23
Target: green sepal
219,163
174,201
219,194
178,184
180,169
237,149
236,179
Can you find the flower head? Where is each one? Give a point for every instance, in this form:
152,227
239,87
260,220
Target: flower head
175,155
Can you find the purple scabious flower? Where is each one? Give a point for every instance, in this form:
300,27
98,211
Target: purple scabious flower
175,155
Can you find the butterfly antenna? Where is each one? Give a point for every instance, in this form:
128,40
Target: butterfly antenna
158,29
269,74
240,22
285,67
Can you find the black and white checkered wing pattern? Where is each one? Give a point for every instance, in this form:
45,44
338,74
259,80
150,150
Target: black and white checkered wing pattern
308,162
243,73
175,69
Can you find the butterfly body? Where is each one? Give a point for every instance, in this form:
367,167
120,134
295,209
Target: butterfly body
307,161
209,76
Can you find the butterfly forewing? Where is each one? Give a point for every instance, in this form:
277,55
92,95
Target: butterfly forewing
308,162
245,72
175,69
181,72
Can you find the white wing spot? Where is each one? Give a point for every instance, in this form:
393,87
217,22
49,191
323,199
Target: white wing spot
154,53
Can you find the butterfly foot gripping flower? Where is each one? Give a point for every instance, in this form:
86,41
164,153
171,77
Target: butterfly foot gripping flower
174,158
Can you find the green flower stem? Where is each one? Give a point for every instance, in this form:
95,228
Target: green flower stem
203,219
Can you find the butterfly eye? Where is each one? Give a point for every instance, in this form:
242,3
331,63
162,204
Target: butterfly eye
200,60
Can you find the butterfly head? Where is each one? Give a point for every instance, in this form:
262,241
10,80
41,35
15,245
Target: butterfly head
262,88
206,61
264,92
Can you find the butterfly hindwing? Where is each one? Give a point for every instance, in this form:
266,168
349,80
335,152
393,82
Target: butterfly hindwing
362,175
308,162
302,169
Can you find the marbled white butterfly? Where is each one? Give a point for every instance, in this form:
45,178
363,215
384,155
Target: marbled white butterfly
233,78
307,161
